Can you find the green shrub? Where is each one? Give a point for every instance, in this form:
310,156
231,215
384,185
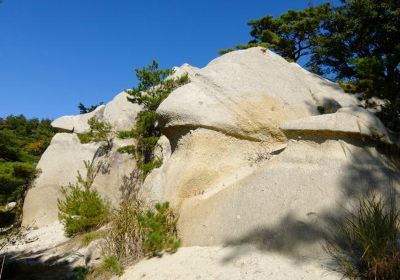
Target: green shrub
159,227
113,265
87,238
128,149
146,168
99,132
24,170
366,243
82,208
85,138
125,236
125,134
137,229
154,87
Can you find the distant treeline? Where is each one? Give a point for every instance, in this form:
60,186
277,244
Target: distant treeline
22,141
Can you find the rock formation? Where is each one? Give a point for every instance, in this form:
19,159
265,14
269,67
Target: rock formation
264,152
66,155
257,151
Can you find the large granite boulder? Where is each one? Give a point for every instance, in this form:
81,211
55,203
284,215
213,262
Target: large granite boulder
256,151
266,153
119,112
65,157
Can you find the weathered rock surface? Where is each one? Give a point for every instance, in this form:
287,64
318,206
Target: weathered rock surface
119,112
59,166
257,153
264,152
78,123
249,94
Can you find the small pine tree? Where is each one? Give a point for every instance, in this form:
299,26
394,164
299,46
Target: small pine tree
154,87
160,233
82,208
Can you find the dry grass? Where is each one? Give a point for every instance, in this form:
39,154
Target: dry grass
366,244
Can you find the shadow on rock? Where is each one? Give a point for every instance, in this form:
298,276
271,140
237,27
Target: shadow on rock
304,239
30,266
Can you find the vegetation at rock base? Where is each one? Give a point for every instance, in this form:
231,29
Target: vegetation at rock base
356,43
82,209
22,141
154,86
366,244
159,227
139,228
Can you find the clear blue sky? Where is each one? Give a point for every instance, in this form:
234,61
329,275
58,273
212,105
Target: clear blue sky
57,53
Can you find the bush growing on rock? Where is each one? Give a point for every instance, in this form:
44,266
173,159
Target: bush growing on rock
366,245
159,227
154,86
82,209
137,228
99,132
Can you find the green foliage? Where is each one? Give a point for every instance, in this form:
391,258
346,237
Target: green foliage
390,115
128,149
138,229
22,141
99,132
84,110
356,43
154,86
125,134
82,208
124,238
87,238
359,42
291,34
113,265
365,245
149,166
159,226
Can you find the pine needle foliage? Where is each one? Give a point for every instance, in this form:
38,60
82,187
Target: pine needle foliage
159,226
82,209
154,87
100,131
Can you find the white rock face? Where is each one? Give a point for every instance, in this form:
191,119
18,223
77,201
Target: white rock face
254,160
59,165
119,112
257,154
79,123
249,94
65,156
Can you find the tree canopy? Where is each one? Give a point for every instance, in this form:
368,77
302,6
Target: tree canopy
356,43
22,141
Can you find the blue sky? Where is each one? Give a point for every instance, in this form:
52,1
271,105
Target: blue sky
57,53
